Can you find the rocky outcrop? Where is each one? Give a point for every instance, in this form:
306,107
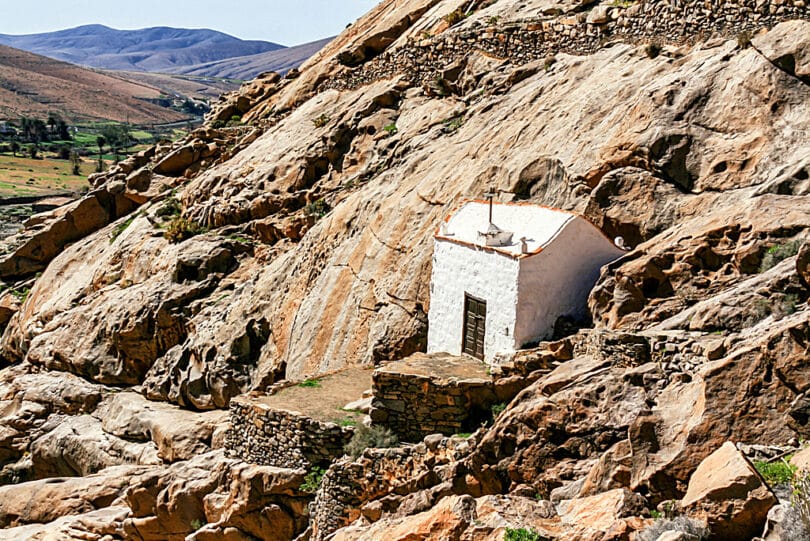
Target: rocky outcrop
46,501
210,497
729,495
296,240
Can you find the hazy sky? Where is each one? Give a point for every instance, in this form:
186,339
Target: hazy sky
289,22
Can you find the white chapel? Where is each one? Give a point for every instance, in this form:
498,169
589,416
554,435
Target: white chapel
503,273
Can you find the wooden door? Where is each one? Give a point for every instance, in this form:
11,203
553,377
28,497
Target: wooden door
475,326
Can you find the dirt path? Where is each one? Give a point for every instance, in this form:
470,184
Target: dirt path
324,398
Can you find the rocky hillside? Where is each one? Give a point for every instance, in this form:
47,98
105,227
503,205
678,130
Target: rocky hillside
34,86
300,243
245,68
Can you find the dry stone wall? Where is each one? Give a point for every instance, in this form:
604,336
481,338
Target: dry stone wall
347,485
284,439
674,21
415,406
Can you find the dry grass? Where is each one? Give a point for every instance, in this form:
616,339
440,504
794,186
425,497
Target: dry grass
325,400
26,177
32,85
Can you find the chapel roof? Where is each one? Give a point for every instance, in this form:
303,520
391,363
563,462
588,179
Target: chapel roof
537,224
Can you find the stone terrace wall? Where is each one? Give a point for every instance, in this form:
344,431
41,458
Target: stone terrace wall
672,21
268,437
347,485
415,406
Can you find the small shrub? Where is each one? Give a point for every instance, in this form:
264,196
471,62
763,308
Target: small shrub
778,253
319,208
120,228
378,437
493,20
653,49
679,524
788,304
800,502
391,129
522,534
455,17
347,422
453,124
21,294
196,524
744,39
654,513
321,121
170,207
313,480
181,229
497,409
775,473
310,383
464,435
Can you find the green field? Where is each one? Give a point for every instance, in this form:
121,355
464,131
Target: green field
26,177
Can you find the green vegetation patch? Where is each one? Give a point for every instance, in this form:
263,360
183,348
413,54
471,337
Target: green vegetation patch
377,437
778,253
313,479
120,228
181,229
522,534
776,473
310,383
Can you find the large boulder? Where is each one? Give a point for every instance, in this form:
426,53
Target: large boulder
220,497
178,434
47,500
729,495
78,446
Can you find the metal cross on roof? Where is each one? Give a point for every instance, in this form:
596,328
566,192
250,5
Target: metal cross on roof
491,195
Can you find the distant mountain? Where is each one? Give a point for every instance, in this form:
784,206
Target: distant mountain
248,67
32,85
158,49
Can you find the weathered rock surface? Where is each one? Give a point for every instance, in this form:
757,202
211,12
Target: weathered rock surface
216,496
178,434
302,245
729,495
47,500
78,446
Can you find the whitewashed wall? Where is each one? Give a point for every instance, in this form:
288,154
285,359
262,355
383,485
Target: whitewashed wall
558,280
489,276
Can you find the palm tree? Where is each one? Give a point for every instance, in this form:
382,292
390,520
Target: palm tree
100,141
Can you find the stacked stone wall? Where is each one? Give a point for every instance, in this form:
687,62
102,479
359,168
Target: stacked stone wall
347,485
415,406
270,437
671,21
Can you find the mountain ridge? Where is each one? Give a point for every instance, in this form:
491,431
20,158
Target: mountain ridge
34,85
160,48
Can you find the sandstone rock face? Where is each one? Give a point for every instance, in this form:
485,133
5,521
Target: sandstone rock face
300,242
729,495
461,517
386,202
77,446
45,501
218,497
178,434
